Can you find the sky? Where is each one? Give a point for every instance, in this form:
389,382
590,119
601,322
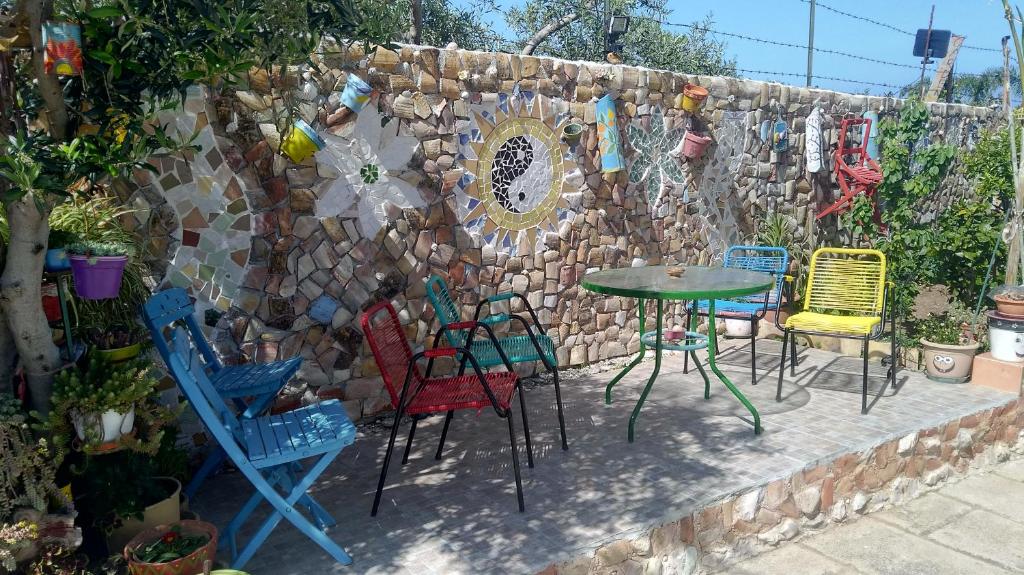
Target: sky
981,21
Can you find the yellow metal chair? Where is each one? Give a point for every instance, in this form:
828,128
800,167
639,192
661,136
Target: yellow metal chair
846,297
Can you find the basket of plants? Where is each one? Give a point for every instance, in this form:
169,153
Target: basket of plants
178,549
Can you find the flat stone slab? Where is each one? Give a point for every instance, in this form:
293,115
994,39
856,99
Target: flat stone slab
459,515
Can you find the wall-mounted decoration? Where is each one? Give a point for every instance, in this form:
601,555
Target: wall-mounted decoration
301,142
356,93
718,200
608,136
693,98
515,166
372,158
652,164
63,48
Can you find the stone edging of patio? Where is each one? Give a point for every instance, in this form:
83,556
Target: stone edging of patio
745,524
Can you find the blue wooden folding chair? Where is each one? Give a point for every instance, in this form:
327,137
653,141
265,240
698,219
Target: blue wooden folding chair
518,348
773,260
268,451
259,381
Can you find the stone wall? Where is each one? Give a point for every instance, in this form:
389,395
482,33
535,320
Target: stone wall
718,535
456,168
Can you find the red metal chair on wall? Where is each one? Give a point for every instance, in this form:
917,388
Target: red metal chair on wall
856,171
419,395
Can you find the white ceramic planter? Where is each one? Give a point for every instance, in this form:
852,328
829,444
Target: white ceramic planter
103,427
1006,336
737,327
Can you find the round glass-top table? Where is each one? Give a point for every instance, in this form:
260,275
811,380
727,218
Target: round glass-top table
695,283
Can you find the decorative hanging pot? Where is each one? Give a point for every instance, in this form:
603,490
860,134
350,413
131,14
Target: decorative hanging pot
97,277
694,145
62,53
571,133
51,302
56,261
356,93
301,142
693,98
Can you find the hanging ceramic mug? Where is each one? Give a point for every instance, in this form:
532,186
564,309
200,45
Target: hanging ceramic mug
571,133
694,145
301,142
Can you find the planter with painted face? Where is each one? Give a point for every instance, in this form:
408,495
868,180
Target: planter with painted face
948,363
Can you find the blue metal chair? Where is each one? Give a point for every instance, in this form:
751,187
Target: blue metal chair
518,348
268,451
259,381
773,260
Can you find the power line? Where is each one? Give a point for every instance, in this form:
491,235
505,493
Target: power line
888,26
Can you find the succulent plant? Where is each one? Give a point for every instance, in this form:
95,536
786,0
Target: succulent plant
96,249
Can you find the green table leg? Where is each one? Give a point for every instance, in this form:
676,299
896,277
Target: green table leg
712,350
694,320
654,375
643,348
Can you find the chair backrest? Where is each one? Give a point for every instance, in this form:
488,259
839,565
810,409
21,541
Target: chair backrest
769,259
860,128
190,374
170,307
389,346
446,309
846,280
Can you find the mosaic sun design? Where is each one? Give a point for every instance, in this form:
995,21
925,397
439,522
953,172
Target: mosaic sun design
515,167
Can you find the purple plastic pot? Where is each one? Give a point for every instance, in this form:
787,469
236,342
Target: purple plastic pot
97,277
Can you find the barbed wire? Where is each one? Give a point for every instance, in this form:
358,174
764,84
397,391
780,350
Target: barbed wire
833,78
888,26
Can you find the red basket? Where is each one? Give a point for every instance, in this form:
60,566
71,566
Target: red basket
189,565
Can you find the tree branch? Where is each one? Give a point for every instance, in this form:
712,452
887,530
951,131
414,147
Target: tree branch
553,27
49,85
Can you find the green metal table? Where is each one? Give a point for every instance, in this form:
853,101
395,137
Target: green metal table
696,283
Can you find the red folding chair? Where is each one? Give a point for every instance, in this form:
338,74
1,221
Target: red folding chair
419,395
856,171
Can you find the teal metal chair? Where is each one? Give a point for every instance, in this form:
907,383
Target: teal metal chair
517,348
268,450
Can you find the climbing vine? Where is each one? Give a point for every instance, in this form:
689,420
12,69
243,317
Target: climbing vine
913,169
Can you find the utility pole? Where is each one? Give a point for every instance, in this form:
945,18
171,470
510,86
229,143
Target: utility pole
924,62
810,45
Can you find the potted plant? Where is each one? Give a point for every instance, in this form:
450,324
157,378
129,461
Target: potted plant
949,348
181,548
1009,301
56,254
97,268
117,343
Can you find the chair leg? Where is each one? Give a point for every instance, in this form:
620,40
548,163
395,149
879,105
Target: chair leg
686,356
408,442
864,391
753,351
444,434
526,424
561,414
782,364
387,461
894,357
515,461
284,509
792,354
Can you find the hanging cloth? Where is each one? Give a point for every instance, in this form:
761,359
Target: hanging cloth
815,145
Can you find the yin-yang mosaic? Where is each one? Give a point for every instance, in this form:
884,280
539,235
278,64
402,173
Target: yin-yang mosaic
515,167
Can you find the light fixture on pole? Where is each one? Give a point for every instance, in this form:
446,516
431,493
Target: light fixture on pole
617,26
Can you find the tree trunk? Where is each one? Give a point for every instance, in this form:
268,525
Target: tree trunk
415,32
8,356
21,299
553,27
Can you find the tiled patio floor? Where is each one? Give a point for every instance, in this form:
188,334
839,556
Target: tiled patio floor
459,515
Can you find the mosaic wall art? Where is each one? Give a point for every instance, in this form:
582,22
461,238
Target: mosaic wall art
515,171
652,137
609,136
214,232
370,157
717,186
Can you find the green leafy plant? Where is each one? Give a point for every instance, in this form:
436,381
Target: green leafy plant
96,249
106,386
940,329
171,546
778,230
28,466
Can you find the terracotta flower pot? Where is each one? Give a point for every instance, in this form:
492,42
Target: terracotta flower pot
948,363
1009,307
188,565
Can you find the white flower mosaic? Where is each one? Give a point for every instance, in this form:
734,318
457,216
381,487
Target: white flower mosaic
370,157
652,138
